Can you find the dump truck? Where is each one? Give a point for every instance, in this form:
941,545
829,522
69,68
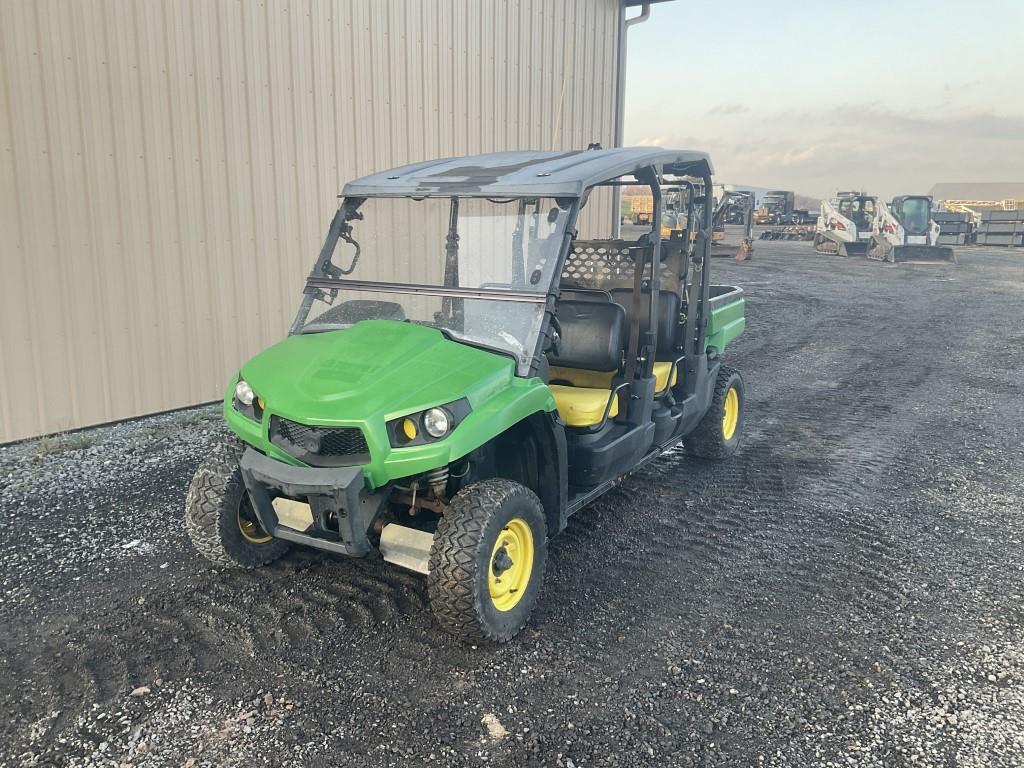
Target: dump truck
453,389
844,226
904,230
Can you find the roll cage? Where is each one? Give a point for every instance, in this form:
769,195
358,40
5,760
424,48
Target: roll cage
569,178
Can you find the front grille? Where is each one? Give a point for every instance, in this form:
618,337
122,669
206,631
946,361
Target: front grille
320,446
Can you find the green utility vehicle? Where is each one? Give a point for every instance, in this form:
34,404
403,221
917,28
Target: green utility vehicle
464,373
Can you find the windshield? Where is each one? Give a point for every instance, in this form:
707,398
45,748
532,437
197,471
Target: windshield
476,269
915,213
860,210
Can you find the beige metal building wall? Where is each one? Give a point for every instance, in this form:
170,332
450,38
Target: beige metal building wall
167,169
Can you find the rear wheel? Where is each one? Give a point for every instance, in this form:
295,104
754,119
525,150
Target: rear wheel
487,561
718,434
219,516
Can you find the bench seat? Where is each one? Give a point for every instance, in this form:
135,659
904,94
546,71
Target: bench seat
582,406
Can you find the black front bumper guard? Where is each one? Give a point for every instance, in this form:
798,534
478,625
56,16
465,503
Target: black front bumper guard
342,508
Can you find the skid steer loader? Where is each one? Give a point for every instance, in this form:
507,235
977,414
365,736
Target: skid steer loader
844,227
905,231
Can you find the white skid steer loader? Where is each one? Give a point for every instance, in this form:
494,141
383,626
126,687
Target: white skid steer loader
844,227
905,231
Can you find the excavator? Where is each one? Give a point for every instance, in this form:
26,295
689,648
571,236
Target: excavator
904,230
679,209
731,202
844,227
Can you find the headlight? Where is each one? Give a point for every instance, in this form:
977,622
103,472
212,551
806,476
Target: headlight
436,422
244,393
424,427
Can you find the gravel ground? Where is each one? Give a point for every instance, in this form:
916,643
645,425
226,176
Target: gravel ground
847,591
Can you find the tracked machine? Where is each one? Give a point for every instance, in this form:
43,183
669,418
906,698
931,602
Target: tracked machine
844,227
904,231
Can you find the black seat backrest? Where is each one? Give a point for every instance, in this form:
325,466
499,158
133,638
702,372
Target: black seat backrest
668,317
584,294
592,337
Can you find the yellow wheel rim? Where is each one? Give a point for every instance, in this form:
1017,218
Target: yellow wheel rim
731,413
251,530
511,564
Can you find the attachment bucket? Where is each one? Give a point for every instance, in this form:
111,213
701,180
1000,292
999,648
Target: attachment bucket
925,254
857,248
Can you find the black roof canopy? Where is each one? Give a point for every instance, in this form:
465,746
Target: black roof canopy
518,174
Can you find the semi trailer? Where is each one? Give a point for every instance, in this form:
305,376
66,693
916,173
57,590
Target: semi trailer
779,207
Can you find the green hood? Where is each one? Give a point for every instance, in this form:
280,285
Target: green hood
379,370
376,368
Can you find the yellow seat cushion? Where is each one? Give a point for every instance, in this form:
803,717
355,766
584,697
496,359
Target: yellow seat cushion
661,372
580,377
582,406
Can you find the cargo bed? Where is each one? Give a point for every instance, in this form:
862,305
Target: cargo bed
726,319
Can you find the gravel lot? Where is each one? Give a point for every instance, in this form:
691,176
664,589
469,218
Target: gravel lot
847,591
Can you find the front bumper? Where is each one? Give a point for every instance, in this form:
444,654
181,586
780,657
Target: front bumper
342,509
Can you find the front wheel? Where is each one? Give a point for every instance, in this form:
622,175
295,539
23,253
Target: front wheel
487,561
219,516
718,434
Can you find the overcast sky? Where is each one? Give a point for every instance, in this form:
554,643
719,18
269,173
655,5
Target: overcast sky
888,96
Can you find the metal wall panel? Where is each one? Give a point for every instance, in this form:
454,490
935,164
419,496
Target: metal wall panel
168,169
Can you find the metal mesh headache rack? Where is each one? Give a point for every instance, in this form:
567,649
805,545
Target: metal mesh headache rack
602,264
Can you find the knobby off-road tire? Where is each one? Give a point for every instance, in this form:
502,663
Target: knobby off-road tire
718,436
466,560
217,509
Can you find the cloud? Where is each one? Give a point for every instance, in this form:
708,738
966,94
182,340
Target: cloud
958,124
728,109
815,151
671,140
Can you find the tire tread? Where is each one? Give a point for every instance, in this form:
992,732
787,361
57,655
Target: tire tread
706,440
209,512
457,552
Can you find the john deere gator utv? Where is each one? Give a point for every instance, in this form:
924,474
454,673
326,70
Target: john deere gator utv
904,231
464,374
